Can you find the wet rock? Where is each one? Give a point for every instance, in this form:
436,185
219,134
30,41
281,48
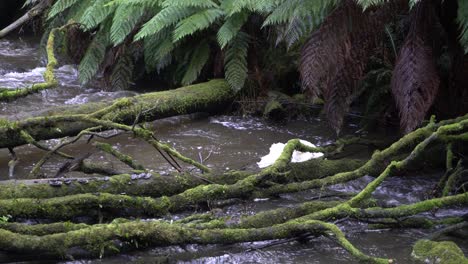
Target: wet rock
83,181
67,182
55,183
446,252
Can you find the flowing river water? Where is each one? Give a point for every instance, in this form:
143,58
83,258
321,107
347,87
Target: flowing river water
231,142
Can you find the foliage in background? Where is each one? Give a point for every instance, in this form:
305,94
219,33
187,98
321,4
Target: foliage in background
328,41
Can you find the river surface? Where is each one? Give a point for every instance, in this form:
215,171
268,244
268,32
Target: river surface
229,142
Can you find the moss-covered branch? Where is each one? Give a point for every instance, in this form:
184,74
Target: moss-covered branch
49,77
210,97
157,185
100,240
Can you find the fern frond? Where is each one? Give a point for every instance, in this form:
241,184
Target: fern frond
415,80
295,30
235,61
199,58
313,10
124,21
190,3
326,46
231,7
122,72
283,12
60,6
167,17
96,14
196,22
143,3
230,28
77,11
157,49
90,64
462,19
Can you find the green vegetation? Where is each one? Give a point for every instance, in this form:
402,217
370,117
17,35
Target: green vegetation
342,49
401,57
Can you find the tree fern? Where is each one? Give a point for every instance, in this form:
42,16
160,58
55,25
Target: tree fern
96,14
60,6
167,17
94,56
125,19
196,22
235,61
462,19
230,28
200,56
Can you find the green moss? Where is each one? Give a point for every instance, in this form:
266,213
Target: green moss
446,252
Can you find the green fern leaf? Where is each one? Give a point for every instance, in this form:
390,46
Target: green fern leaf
167,17
77,11
230,28
96,14
124,21
90,64
122,72
200,56
158,48
60,6
196,22
190,3
231,7
235,61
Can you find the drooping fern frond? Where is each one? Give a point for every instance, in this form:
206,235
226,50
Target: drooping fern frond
166,17
75,12
199,58
231,7
295,30
60,6
415,79
196,22
235,61
125,20
96,14
462,19
122,72
157,50
230,28
326,46
90,64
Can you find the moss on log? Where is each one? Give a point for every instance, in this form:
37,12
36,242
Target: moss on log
158,185
210,97
101,240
